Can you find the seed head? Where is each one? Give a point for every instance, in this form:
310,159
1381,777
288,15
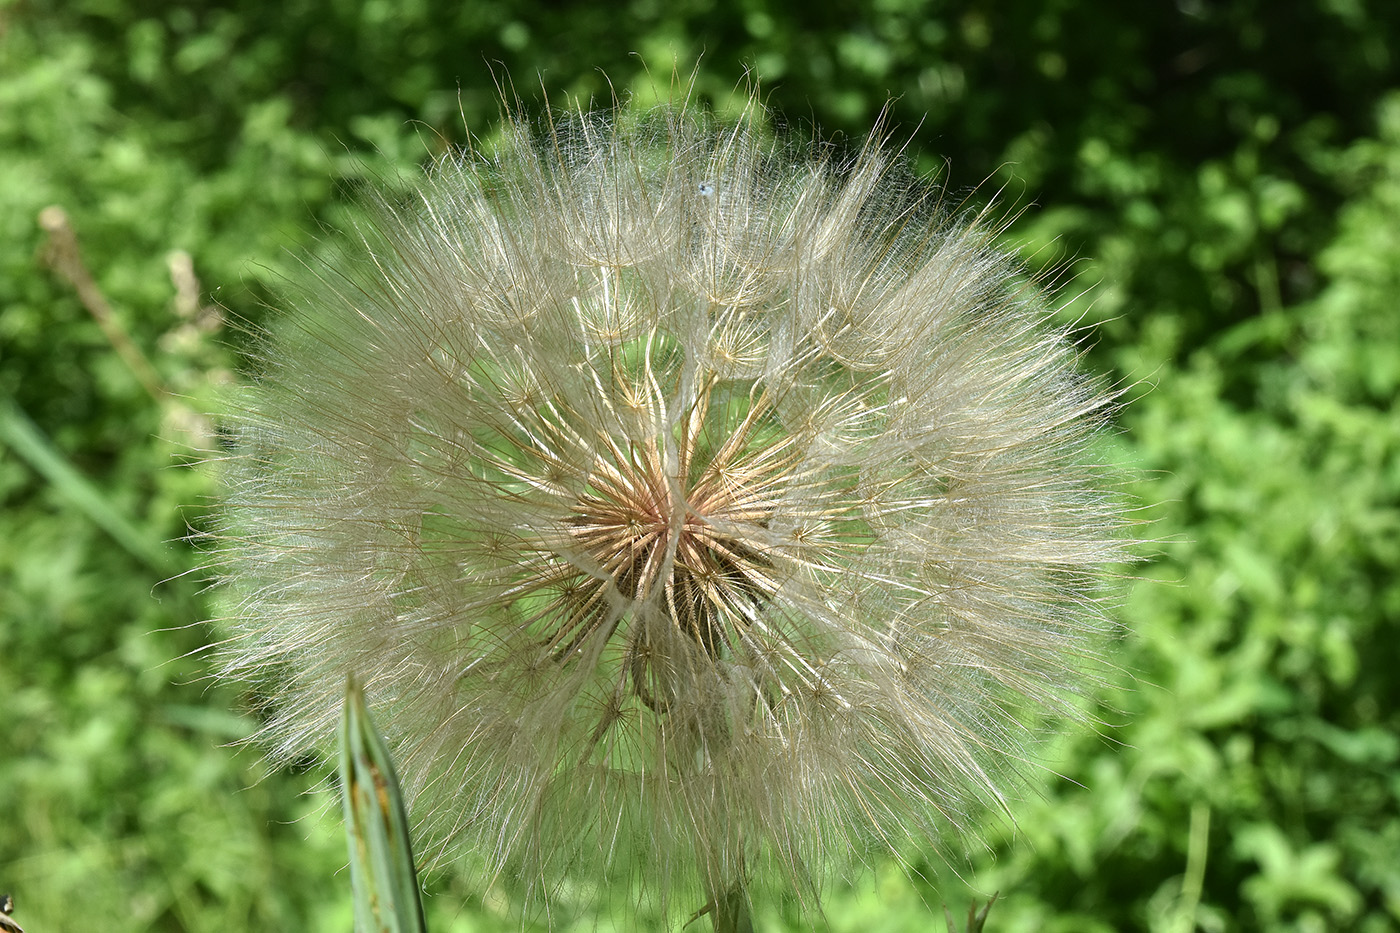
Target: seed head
687,505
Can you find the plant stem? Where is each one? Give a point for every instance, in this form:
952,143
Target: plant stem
729,910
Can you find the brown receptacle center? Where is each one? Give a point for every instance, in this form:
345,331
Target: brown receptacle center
662,528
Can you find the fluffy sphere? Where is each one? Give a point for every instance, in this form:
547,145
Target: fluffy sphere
688,505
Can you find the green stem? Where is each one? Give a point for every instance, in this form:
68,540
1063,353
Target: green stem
729,909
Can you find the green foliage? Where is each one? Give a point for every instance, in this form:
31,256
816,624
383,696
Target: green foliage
1263,698
1228,176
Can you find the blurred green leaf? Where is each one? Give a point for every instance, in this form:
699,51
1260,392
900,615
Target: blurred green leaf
19,433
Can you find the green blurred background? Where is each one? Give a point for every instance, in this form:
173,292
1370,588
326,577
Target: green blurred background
1218,182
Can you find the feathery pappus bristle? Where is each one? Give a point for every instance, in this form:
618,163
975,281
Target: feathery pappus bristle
688,504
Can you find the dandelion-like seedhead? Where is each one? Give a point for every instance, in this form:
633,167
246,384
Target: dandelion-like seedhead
687,506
